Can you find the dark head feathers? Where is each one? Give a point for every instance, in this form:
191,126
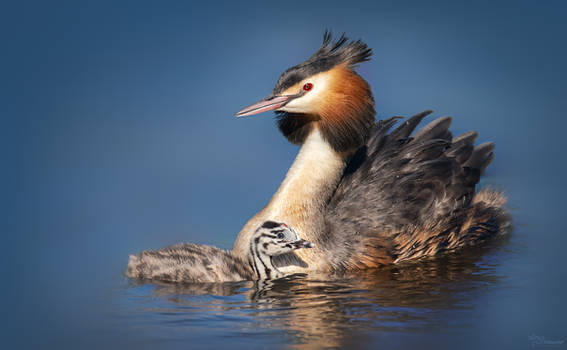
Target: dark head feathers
351,53
270,224
329,55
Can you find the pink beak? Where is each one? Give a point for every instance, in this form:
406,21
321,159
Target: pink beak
268,104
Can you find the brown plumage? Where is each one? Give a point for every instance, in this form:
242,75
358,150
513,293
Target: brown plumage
344,115
368,196
407,197
189,263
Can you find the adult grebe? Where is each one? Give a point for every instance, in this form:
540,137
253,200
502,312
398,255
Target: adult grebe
200,263
366,196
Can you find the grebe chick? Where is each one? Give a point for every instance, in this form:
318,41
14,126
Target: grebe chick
189,262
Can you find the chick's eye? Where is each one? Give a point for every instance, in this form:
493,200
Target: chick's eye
307,86
280,235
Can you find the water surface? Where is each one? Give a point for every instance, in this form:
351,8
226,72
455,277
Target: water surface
436,296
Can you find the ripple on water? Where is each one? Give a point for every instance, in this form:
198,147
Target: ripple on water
434,294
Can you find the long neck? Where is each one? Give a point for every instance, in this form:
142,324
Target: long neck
302,197
261,263
309,184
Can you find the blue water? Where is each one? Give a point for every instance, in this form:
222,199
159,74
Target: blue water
118,135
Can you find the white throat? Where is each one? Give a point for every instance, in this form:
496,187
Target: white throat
301,199
309,183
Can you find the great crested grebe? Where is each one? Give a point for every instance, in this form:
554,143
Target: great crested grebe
200,263
365,195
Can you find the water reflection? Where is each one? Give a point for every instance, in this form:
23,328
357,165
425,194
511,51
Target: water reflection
336,310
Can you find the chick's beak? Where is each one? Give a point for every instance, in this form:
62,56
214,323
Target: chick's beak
268,104
303,244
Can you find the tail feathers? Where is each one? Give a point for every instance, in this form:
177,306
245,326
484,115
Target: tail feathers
406,128
462,147
425,151
468,137
481,157
484,219
437,129
379,134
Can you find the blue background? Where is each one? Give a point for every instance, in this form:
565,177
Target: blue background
118,132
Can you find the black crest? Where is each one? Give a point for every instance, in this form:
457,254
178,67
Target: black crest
329,55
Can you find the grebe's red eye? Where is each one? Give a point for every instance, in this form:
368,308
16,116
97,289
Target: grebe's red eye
307,86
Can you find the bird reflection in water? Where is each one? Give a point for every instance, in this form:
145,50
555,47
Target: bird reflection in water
337,310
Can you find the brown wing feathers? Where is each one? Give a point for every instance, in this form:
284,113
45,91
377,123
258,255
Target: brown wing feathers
403,197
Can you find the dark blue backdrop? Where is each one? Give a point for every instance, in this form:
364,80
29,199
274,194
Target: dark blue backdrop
118,132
